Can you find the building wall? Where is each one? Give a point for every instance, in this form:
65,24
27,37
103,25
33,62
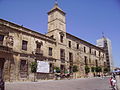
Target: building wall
79,55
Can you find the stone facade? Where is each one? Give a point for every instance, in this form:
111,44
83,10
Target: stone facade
20,46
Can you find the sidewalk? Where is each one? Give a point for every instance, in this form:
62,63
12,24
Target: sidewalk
118,82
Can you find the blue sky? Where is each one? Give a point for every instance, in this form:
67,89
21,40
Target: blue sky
86,19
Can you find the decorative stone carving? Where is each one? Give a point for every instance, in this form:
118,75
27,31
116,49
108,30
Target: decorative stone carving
9,40
39,44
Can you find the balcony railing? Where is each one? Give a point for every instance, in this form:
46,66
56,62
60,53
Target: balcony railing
5,49
39,51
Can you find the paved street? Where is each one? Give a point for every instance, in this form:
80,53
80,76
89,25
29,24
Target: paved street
79,84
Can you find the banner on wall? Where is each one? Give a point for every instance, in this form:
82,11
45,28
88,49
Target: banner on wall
43,67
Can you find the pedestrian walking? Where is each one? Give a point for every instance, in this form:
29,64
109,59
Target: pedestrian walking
113,83
114,75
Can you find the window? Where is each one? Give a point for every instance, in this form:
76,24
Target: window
50,51
85,49
62,68
38,45
77,46
24,45
103,55
86,62
99,53
90,50
61,38
51,68
69,44
23,65
89,60
1,37
52,36
23,68
95,53
70,57
96,62
62,55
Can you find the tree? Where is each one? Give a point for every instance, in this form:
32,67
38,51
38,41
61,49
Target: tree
98,69
93,69
105,70
87,69
33,68
57,69
75,68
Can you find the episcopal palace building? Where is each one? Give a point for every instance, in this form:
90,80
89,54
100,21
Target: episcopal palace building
20,46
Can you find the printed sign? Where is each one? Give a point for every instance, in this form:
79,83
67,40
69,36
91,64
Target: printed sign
43,67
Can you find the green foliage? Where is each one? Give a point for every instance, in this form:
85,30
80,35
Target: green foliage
57,69
33,67
87,69
92,69
98,69
75,68
106,70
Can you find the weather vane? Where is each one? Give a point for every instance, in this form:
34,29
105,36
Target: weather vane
103,34
56,1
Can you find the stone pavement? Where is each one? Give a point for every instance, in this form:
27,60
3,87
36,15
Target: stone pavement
118,81
74,84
